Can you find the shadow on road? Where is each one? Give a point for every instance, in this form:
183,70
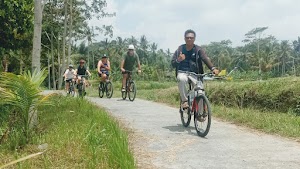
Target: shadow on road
181,129
124,100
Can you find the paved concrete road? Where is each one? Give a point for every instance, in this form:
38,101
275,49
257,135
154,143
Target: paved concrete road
170,145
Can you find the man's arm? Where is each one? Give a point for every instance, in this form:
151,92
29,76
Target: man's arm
75,72
98,66
66,72
122,65
88,72
108,66
174,60
207,61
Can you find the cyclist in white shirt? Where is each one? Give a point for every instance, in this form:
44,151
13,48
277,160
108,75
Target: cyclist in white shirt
69,76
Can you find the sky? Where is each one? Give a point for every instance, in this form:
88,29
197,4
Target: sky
165,21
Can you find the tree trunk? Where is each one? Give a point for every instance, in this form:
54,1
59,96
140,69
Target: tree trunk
58,59
49,73
53,65
70,31
88,59
64,45
21,64
36,51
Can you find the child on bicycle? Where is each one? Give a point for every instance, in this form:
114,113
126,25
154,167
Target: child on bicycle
130,58
69,76
103,68
81,71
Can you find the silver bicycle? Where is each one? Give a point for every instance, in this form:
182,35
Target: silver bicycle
199,105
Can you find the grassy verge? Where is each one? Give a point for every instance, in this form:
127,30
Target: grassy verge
278,94
284,124
79,135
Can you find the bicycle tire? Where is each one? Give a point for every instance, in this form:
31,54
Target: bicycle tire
71,90
101,90
200,117
109,89
132,91
124,95
83,90
80,90
185,116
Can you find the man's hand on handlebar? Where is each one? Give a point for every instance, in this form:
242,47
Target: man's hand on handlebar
122,69
215,71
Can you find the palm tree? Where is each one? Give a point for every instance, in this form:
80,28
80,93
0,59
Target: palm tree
153,48
285,54
144,46
133,41
22,93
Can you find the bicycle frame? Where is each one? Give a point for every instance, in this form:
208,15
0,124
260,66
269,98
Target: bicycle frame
129,78
198,88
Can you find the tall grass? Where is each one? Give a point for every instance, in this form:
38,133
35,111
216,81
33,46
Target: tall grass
79,135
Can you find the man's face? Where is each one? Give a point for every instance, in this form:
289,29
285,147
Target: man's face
131,52
104,59
81,63
189,39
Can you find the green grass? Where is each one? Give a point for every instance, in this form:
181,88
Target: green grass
284,124
278,94
79,135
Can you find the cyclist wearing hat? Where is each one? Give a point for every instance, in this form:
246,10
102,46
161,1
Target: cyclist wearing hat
130,58
69,76
81,71
103,68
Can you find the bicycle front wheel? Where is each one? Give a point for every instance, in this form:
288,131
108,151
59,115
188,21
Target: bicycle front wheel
185,115
71,91
109,90
101,90
132,91
202,115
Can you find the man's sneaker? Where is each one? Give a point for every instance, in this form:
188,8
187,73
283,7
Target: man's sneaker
123,89
185,105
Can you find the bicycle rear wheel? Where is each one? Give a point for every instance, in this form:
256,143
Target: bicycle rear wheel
101,89
132,91
109,89
202,116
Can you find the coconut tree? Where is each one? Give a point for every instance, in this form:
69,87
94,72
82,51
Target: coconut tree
22,94
285,54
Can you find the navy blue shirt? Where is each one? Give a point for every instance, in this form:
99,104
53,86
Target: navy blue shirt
189,55
81,70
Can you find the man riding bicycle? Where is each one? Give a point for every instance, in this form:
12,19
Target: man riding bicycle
103,68
188,58
81,71
130,58
69,76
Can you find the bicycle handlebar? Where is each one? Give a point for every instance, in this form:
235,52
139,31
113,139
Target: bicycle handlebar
83,76
128,71
210,74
